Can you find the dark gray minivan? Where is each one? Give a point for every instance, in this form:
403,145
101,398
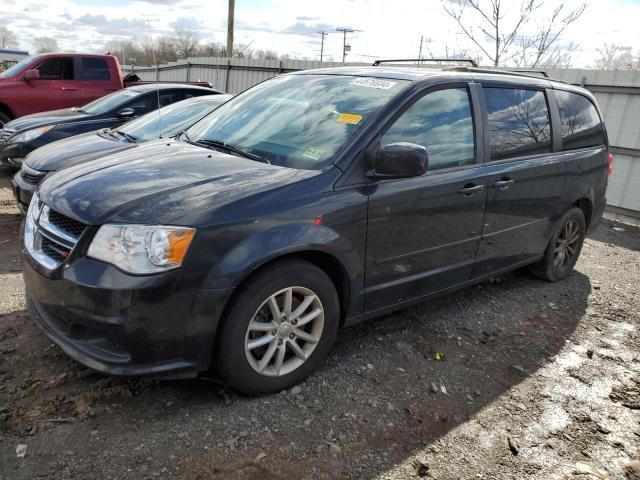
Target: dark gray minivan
311,201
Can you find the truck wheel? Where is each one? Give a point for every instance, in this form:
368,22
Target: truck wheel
4,119
280,328
564,247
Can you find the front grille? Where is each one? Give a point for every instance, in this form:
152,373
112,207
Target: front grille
33,179
54,250
31,175
50,236
5,134
69,225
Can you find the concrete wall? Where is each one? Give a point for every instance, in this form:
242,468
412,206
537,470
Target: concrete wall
618,94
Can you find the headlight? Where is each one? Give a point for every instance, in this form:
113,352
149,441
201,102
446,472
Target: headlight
31,134
142,249
29,225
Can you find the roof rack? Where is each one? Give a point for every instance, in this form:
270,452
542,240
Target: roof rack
397,60
516,73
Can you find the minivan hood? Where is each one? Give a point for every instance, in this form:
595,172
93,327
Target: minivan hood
41,119
73,150
149,184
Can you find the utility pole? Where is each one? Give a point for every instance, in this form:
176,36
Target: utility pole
420,51
345,47
232,7
323,34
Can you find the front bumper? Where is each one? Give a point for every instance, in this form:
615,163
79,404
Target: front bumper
22,191
121,324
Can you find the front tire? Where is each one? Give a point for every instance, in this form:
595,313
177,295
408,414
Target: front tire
564,248
4,119
279,329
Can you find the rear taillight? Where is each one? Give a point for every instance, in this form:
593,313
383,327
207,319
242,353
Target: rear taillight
609,164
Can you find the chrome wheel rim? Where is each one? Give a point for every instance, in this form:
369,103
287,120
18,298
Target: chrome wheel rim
284,331
567,244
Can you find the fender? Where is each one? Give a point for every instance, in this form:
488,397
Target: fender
4,108
579,191
265,246
586,177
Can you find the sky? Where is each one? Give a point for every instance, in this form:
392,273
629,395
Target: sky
384,28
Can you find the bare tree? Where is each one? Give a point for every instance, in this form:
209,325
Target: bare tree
265,54
492,22
449,52
8,39
126,49
45,44
187,43
616,57
544,48
166,50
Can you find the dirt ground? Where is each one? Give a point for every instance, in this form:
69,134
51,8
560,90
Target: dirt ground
537,380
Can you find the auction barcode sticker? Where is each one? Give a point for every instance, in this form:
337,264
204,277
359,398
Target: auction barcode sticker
374,83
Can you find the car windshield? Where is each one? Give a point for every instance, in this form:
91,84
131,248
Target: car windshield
172,119
16,68
109,102
297,121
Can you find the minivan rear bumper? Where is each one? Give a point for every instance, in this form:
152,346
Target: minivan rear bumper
151,330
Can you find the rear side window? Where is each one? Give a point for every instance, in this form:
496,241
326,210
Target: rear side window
441,121
518,122
144,104
580,123
95,69
195,93
56,69
149,102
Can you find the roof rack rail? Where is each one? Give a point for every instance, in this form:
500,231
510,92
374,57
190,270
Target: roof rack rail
516,73
532,70
397,60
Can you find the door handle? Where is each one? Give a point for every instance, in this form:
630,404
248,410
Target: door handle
470,189
69,89
504,184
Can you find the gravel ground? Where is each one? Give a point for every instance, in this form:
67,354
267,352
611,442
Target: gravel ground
536,380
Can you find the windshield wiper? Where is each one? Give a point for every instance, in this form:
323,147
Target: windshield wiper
107,132
230,148
130,138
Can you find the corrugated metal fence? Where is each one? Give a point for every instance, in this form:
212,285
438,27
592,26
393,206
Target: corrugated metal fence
618,94
232,75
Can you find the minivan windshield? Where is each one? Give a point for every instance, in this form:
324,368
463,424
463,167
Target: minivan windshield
16,68
109,102
297,121
172,119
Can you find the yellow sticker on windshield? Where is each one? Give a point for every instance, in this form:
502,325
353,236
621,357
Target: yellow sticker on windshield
349,118
314,153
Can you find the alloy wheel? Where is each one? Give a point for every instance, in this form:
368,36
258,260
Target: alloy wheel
567,244
284,331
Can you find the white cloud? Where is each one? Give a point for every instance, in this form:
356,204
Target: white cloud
385,28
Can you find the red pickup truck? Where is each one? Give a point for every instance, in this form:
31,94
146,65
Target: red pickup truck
58,80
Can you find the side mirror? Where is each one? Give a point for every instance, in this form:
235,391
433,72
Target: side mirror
400,160
126,113
31,75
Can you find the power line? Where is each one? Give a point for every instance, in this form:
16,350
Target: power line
344,41
323,34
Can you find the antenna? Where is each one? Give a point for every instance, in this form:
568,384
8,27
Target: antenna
155,61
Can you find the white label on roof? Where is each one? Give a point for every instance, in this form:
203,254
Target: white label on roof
374,83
